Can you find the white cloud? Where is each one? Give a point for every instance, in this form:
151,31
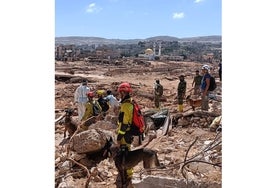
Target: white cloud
198,1
93,8
177,15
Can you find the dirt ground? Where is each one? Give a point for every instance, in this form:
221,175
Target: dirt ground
182,140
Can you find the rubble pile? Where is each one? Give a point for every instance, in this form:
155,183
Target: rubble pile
191,152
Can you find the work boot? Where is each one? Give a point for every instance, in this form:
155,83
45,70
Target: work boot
180,108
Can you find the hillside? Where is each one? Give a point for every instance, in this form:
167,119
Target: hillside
80,40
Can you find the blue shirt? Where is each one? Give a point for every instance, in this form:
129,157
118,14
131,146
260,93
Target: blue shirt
203,82
112,100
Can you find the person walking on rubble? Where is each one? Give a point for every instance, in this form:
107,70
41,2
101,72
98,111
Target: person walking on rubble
197,83
124,136
158,92
204,87
181,92
93,108
80,98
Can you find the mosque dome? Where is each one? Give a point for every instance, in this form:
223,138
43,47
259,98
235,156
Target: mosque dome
149,51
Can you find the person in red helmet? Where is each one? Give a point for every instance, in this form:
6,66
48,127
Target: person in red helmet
93,108
124,136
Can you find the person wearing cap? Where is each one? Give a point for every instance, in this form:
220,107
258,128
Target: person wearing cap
103,102
80,98
204,87
181,92
197,82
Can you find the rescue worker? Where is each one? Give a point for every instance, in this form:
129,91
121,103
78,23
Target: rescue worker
204,87
158,92
124,136
80,98
197,82
181,92
93,108
103,102
112,100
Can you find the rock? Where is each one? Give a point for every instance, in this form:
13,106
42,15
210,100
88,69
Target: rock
159,182
86,162
77,156
207,142
215,123
190,131
112,119
90,141
97,179
195,118
194,125
203,120
106,125
168,158
183,122
63,185
63,157
65,167
94,171
57,160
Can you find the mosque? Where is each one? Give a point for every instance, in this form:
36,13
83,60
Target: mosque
151,54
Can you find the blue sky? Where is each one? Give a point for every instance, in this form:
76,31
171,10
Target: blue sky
131,19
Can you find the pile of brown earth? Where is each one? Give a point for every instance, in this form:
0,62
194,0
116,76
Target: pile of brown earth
189,151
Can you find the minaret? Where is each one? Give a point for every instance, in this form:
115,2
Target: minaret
154,47
159,50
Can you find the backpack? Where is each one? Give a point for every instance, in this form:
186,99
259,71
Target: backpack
212,85
104,104
138,123
96,109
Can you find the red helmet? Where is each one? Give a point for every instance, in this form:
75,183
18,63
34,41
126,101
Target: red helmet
90,94
124,87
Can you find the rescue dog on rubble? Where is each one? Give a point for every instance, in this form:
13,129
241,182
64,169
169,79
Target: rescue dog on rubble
69,125
193,102
129,159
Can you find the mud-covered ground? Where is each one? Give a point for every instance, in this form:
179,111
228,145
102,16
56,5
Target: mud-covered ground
185,141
